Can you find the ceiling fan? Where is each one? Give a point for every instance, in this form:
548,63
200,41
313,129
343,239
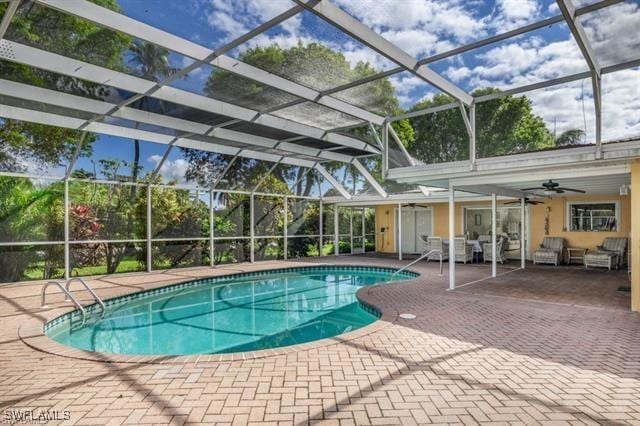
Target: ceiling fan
526,201
414,205
552,188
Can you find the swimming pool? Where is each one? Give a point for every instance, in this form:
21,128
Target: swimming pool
241,312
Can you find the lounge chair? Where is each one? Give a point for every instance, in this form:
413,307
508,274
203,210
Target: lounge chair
550,251
608,255
436,243
464,251
501,249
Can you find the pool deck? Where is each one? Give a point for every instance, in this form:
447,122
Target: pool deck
543,345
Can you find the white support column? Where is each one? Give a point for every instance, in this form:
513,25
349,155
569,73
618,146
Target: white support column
494,239
149,230
523,247
321,230
596,83
472,136
336,230
452,238
399,232
286,225
67,254
351,229
212,226
364,243
253,231
385,148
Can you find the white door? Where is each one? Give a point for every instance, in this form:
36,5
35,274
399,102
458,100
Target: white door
423,227
408,231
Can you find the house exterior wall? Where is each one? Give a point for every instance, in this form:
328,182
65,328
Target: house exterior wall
558,226
557,221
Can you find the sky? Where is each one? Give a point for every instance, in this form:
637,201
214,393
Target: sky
425,27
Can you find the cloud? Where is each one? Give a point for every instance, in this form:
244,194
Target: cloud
613,32
236,17
515,13
171,170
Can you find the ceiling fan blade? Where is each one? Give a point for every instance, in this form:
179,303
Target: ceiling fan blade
537,188
574,190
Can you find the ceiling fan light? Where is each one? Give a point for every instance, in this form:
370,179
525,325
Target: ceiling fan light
548,192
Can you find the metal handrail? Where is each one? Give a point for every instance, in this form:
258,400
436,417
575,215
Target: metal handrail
95,296
69,297
429,253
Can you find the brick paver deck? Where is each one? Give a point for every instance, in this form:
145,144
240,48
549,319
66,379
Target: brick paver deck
544,345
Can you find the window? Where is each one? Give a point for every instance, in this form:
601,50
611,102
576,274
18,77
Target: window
593,216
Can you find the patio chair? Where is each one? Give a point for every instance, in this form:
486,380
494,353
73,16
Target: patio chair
550,251
425,240
501,249
464,251
436,243
608,255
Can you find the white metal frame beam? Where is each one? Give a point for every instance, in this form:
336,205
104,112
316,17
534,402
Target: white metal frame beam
26,55
52,97
325,173
33,116
569,13
8,16
475,45
364,172
347,24
118,22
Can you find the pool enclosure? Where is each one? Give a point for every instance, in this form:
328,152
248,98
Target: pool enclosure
141,136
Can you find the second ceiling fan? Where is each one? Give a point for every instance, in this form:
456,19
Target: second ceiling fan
552,188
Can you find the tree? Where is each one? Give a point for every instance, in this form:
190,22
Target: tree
150,62
506,125
47,29
570,137
313,65
30,212
114,216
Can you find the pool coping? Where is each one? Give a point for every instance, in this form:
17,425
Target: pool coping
31,332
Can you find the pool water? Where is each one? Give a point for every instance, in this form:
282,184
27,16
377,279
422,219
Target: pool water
246,312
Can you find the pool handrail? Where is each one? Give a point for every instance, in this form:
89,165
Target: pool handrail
66,292
429,253
90,290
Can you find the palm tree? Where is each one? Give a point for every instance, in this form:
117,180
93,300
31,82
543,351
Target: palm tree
150,62
570,137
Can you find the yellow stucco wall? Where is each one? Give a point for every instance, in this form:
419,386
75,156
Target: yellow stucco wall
557,219
385,242
558,226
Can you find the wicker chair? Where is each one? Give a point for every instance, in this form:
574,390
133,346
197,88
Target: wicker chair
609,255
501,249
436,243
464,251
550,251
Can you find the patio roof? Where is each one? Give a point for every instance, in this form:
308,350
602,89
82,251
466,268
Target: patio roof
305,117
